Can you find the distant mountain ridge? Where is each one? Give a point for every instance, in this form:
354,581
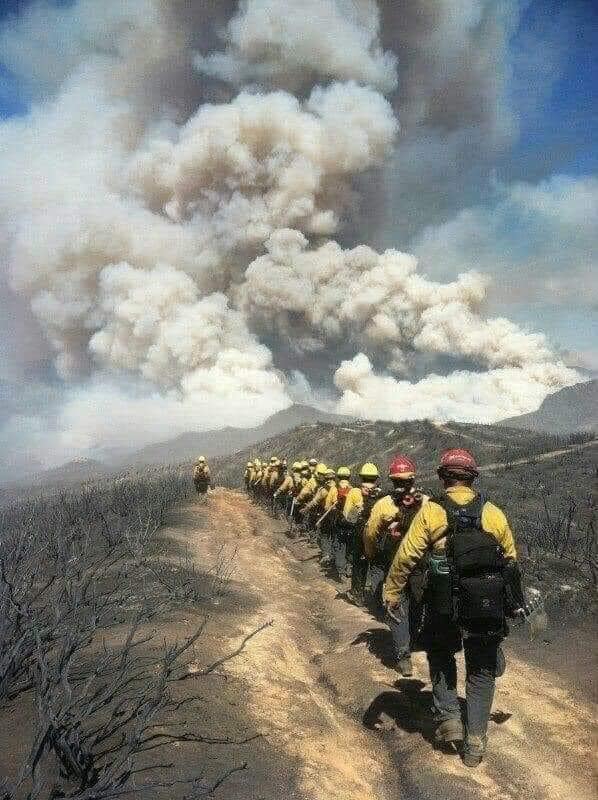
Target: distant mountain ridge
568,411
228,440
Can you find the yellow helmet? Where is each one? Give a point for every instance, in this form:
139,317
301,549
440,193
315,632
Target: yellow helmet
321,470
249,464
369,471
273,460
296,466
343,472
201,460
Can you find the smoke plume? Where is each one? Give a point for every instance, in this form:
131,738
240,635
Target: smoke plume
178,210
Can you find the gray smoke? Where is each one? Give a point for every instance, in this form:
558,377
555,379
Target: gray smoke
173,216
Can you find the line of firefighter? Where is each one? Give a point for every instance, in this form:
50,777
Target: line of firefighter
398,548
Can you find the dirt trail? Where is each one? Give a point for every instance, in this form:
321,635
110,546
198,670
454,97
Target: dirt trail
539,456
316,686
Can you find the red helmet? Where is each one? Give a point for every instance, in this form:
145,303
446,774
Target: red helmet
401,467
458,460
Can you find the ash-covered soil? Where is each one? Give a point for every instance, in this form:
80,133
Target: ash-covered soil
311,705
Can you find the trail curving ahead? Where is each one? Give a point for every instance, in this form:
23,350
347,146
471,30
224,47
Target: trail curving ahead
316,686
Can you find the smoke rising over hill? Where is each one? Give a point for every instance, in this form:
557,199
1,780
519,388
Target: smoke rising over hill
176,213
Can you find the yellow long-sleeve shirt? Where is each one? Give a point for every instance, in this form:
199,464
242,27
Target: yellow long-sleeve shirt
285,487
383,513
273,477
257,477
333,494
265,477
201,472
426,534
355,501
319,498
308,490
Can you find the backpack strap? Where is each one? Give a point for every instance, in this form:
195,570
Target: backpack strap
469,514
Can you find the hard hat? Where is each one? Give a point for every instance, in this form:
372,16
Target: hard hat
321,470
273,460
369,471
250,463
296,466
402,467
201,460
330,473
304,465
313,462
459,461
343,472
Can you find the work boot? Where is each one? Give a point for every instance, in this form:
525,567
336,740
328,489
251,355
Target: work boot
405,666
451,730
473,750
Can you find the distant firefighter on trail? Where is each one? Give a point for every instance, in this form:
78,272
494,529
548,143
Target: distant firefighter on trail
202,479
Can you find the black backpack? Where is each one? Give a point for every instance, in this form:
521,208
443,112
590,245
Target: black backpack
470,585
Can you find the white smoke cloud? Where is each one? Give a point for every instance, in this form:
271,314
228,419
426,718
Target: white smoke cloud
164,240
293,45
380,301
462,396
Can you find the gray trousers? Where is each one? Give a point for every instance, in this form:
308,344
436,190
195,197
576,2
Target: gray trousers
480,677
339,551
399,628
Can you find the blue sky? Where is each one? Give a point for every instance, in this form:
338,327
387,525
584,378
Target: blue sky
560,135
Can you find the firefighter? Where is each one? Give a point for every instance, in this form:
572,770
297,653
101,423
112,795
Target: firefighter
469,549
247,475
275,478
356,510
201,476
315,508
310,485
256,478
289,482
386,526
333,546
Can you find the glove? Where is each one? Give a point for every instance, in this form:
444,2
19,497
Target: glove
394,530
396,610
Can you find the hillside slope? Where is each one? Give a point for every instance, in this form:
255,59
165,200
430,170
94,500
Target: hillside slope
538,477
572,409
214,443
